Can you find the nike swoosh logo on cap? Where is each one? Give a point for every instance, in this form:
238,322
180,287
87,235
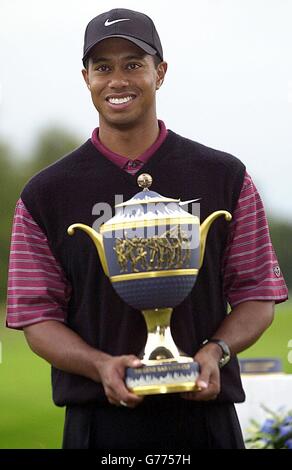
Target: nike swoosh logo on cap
108,22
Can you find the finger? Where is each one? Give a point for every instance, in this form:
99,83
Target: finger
119,392
131,399
201,385
203,380
132,361
209,385
130,403
205,390
115,387
127,403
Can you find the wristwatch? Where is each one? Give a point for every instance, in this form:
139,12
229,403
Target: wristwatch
225,350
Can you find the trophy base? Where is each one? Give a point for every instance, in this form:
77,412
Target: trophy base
163,377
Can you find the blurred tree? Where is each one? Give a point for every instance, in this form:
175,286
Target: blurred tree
52,144
11,181
281,234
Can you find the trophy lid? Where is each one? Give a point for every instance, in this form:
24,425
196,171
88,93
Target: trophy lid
148,205
146,196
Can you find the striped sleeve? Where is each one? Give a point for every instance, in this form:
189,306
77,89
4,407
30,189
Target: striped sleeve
250,268
37,287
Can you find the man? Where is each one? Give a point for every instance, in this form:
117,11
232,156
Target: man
60,297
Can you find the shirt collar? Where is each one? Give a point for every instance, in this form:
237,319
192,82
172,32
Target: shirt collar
122,161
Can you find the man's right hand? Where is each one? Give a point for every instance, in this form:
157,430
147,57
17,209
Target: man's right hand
111,371
66,350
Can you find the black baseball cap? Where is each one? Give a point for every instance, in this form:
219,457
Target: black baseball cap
122,23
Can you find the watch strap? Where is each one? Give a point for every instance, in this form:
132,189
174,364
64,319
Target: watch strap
224,348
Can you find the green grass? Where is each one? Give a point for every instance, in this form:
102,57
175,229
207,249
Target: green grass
28,417
274,342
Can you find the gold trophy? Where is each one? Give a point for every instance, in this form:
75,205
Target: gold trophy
152,250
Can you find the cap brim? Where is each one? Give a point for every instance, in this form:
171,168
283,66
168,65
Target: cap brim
143,45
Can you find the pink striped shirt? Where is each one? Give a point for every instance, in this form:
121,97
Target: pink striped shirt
250,267
38,289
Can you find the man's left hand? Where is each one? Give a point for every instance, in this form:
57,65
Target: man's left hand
208,382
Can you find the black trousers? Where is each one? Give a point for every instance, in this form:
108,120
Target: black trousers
159,423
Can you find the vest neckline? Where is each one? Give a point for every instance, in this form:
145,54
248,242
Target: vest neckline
162,153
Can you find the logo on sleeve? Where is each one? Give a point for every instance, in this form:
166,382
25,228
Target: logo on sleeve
277,271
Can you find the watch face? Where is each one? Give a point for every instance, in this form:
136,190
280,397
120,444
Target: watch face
224,360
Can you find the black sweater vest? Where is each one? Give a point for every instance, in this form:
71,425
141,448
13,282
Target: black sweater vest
67,191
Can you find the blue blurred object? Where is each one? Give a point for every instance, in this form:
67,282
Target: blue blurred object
264,365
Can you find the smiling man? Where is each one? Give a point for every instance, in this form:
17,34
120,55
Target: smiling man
123,80
71,315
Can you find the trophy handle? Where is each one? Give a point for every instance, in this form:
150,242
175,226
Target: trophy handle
97,240
204,229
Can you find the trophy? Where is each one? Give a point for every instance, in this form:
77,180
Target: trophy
152,250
